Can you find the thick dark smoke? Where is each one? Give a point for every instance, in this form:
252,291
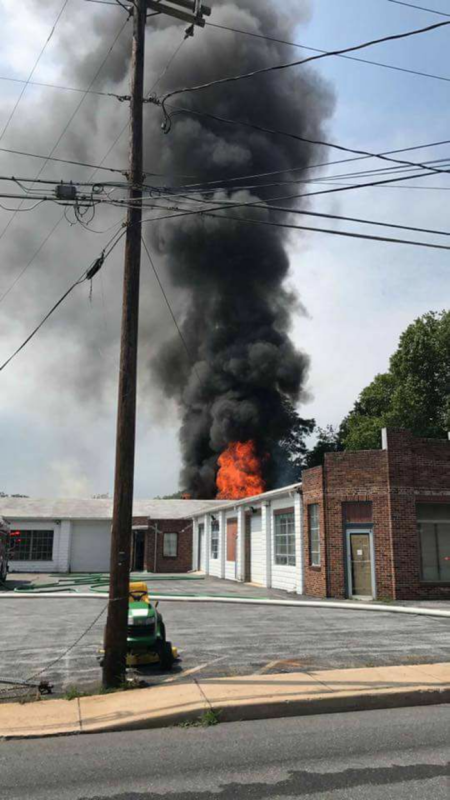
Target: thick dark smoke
225,280
244,372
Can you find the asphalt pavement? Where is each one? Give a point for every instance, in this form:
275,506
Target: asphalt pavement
214,640
400,754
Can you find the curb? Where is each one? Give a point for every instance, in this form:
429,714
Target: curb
251,711
348,606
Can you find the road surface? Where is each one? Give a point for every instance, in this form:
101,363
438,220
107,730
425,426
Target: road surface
398,754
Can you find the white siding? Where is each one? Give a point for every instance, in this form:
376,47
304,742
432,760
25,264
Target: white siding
223,544
258,550
195,565
240,545
201,544
61,543
90,546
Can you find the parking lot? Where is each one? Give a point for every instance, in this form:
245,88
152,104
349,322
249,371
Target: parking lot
214,639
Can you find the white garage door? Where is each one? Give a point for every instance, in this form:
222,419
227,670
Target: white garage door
258,551
89,547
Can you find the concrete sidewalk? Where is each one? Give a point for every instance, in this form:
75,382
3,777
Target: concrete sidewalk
243,698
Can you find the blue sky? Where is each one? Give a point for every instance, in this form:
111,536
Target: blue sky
359,296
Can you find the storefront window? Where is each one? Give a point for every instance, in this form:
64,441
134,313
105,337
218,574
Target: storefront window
433,521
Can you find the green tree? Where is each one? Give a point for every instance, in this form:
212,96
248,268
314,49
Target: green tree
413,394
328,441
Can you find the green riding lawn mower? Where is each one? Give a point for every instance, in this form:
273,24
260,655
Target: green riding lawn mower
146,632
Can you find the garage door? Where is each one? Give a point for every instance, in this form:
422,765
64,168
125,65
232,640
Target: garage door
89,547
258,550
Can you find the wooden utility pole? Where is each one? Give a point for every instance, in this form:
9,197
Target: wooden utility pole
114,664
116,626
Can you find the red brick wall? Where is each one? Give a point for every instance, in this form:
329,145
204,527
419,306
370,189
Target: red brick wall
410,470
315,578
348,478
183,561
419,471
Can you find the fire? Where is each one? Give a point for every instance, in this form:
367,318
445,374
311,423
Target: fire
240,472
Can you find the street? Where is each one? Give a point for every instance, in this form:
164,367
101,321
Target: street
377,755
214,639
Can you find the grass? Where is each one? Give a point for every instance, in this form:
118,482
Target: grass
73,692
207,720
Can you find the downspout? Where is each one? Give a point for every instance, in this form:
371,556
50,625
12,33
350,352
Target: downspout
325,531
155,527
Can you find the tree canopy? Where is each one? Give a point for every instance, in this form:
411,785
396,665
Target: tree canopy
414,393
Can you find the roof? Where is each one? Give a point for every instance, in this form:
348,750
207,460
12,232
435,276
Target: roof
101,509
223,505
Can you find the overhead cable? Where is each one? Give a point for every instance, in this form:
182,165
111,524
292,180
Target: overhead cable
332,232
56,86
382,64
175,321
419,8
73,115
60,160
302,212
328,54
9,120
48,158
306,140
303,168
85,276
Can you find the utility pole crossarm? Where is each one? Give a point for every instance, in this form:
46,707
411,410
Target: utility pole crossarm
195,11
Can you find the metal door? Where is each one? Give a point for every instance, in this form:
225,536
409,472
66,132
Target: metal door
232,536
361,564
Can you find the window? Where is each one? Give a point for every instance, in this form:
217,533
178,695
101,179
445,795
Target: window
215,539
170,545
434,532
314,535
33,546
285,539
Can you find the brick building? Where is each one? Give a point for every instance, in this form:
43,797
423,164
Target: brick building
377,522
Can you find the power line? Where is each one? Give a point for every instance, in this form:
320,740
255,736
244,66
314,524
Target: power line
304,139
56,86
72,117
60,160
314,166
279,67
301,212
330,179
85,276
317,50
8,121
95,169
419,8
333,233
180,333
48,158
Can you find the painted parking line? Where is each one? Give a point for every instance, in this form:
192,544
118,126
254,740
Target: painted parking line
185,673
289,663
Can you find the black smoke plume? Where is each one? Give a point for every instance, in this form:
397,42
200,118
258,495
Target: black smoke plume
243,375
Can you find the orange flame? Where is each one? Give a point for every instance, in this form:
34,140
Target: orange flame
240,472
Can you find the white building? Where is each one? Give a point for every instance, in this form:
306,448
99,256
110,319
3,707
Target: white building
256,540
75,535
